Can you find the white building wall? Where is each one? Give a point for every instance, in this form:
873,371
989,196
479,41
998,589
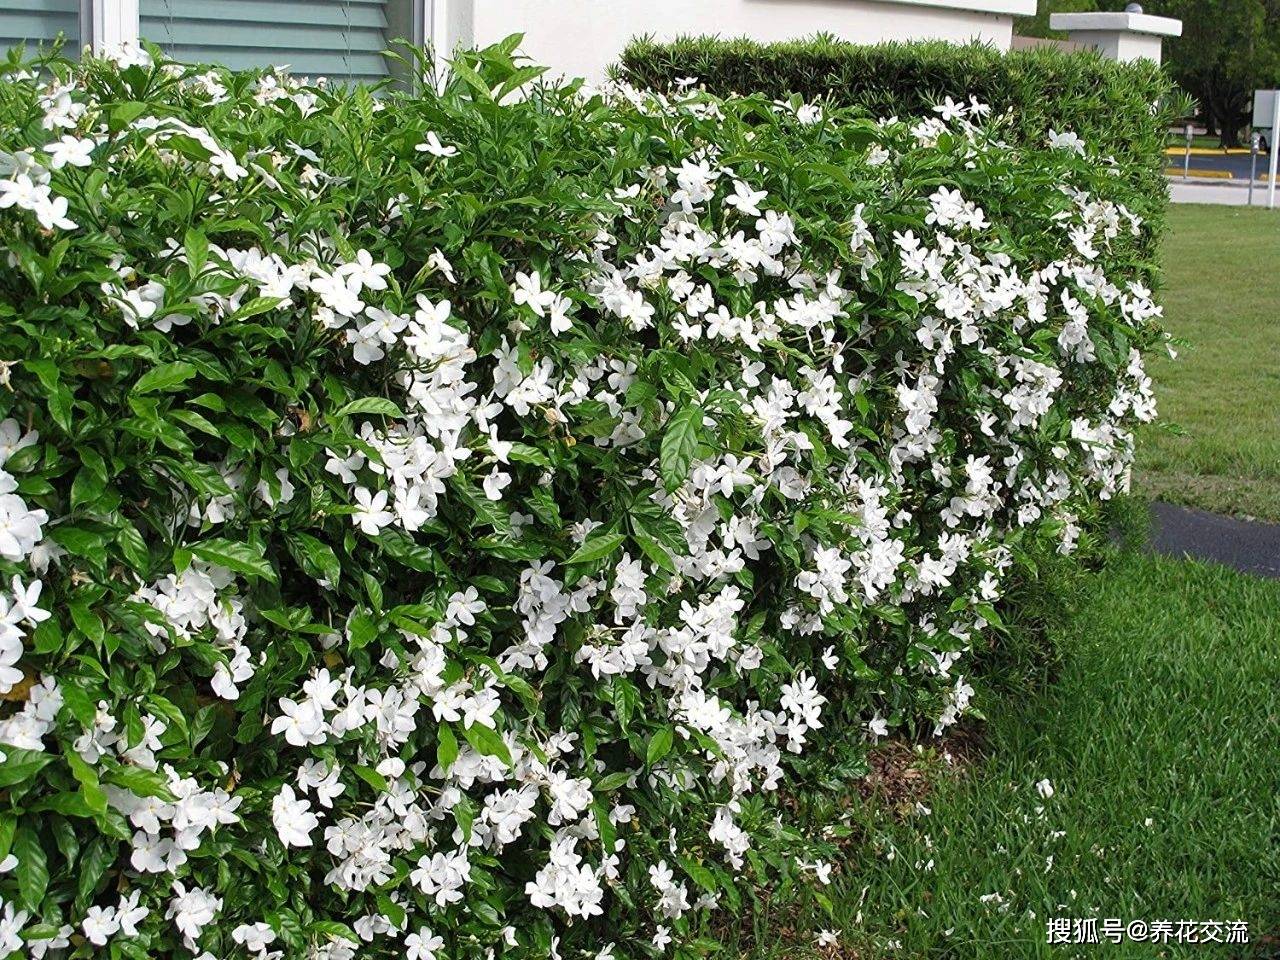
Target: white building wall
583,37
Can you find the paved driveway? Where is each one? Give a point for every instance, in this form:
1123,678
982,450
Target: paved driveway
1236,164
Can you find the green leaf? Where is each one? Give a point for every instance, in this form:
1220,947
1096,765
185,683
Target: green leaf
379,405
660,745
655,552
99,855
446,748
167,376
316,558
470,78
372,777
596,547
612,782
254,307
32,869
90,788
123,114
8,826
145,783
196,245
243,558
87,487
699,875
391,910
21,765
464,813
362,630
485,740
679,442
133,547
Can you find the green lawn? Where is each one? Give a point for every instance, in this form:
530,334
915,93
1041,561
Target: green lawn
1159,739
1222,296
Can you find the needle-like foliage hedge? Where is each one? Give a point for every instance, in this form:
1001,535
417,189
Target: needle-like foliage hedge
1123,110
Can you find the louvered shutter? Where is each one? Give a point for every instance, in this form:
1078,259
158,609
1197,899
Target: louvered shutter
39,21
338,39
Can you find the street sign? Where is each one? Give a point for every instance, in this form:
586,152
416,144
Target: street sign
1264,108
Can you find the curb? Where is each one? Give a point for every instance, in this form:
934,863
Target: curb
1202,174
1211,152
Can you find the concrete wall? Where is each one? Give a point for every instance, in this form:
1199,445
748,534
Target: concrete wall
1123,46
583,37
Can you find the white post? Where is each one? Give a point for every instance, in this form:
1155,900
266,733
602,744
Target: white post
1130,35
107,25
1274,151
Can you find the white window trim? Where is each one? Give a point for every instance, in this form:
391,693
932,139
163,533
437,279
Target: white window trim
108,24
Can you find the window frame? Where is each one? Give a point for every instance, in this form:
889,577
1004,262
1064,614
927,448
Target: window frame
108,24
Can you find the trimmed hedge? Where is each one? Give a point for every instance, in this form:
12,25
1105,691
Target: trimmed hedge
466,526
1120,109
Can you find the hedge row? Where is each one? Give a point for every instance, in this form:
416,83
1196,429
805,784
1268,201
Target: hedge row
463,526
1123,110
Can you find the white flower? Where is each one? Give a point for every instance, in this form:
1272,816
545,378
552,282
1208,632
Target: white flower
51,212
433,146
364,272
293,818
528,290
422,945
439,261
100,924
129,914
255,937
192,910
25,600
1066,141
745,199
463,607
495,482
73,151
560,320
1044,788
302,723
442,876
372,514
11,924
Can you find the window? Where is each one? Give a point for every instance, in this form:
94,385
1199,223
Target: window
339,39
39,22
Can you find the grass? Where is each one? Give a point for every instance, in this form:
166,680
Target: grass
1159,738
1221,296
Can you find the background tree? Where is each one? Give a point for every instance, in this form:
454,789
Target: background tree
1228,49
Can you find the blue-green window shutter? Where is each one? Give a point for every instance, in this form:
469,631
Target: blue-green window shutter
39,21
338,39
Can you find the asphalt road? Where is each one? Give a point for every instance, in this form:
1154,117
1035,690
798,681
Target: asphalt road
1237,164
1248,546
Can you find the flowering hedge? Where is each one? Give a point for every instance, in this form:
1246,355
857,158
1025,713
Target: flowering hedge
444,526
